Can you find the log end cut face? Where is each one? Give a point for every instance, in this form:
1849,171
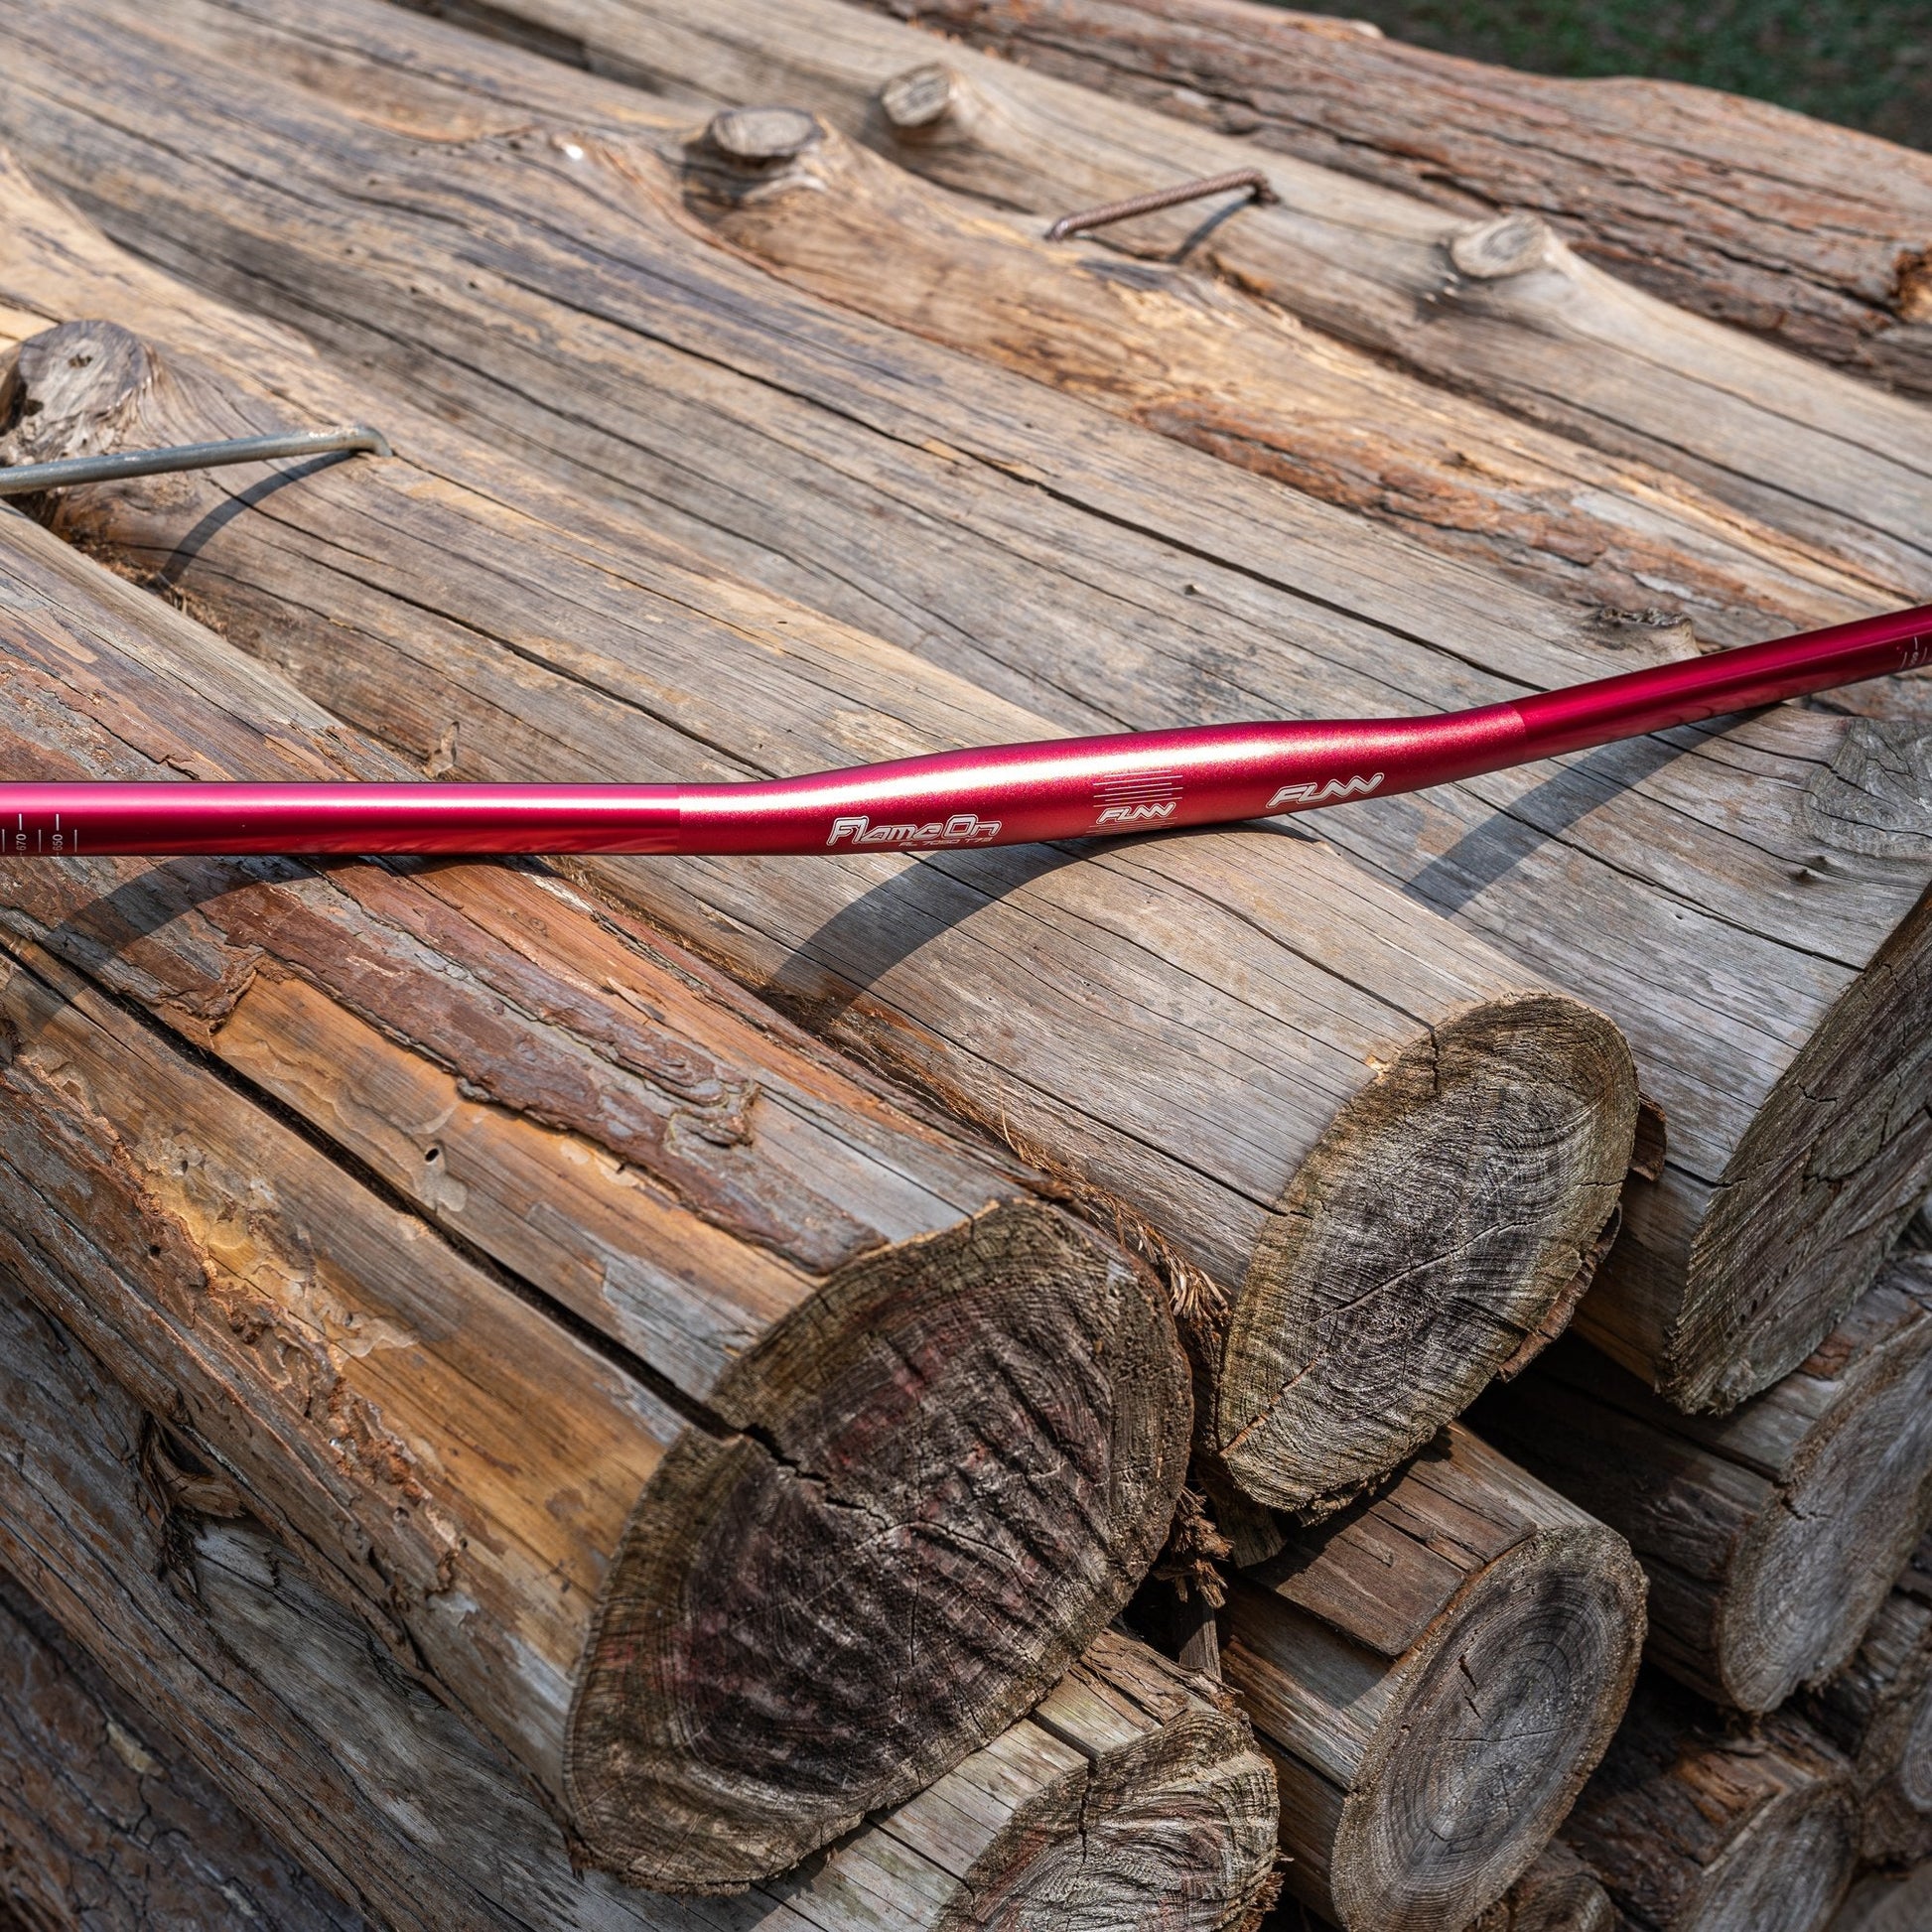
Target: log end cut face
936,1483
1433,1236
1786,1872
1501,1716
1177,1835
1817,1566
1830,1171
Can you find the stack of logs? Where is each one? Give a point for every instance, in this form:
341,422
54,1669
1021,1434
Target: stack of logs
1023,1388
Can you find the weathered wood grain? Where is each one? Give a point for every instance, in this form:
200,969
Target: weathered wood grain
1557,1894
327,1103
1501,307
1129,1795
1884,1901
105,1821
1771,1535
1692,1828
1772,986
1435,1676
1811,234
1877,1711
1205,363
1258,1049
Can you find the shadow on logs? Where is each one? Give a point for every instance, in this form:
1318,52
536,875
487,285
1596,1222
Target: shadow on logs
1127,1799
579,1320
1390,1150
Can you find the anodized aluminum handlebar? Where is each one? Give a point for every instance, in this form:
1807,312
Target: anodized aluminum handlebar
1004,794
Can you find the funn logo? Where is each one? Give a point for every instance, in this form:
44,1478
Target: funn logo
1133,814
1313,794
963,828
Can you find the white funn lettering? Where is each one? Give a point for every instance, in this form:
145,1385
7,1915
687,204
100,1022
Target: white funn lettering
1316,794
1133,814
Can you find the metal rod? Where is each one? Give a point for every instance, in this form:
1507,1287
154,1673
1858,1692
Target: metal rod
1159,198
26,478
1007,795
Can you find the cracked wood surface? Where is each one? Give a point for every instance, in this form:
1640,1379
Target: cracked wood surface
278,1135
1877,1711
1557,1894
1203,362
1771,1535
1433,1674
1129,1795
1814,235
1694,1828
1253,1046
1502,309
106,1825
1771,981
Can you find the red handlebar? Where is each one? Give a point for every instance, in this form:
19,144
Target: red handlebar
1006,794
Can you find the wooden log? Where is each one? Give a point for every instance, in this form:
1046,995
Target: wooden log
1771,1535
1557,1894
1212,367
105,1821
1500,307
1434,1676
1877,1711
416,1078
1798,1054
1127,1799
1240,1037
1811,234
1692,1828
1887,1902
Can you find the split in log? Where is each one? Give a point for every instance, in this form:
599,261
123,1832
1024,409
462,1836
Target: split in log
1128,1800
1771,1535
1394,1148
1693,1829
1557,1894
1211,366
106,1825
861,1368
1884,1901
1754,894
1500,307
1433,1674
1878,1712
1811,234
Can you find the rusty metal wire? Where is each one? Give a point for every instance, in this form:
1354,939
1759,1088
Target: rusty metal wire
1188,191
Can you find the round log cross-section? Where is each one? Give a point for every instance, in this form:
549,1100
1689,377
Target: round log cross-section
1435,1674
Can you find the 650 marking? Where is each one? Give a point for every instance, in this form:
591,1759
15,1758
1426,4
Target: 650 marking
42,838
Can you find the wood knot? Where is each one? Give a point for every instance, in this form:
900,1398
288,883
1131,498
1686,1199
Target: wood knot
762,137
73,391
918,100
1510,245
1911,288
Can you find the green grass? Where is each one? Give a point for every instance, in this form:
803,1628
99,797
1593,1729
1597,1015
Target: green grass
1867,66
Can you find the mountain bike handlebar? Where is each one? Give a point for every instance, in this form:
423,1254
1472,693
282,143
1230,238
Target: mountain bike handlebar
1003,795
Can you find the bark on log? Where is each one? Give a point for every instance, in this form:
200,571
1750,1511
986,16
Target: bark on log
1212,367
1693,1829
1250,1043
1814,235
1771,1535
1501,307
412,1078
1434,1675
1884,1901
1878,1712
105,1821
1127,1799
1799,1054
1557,1894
